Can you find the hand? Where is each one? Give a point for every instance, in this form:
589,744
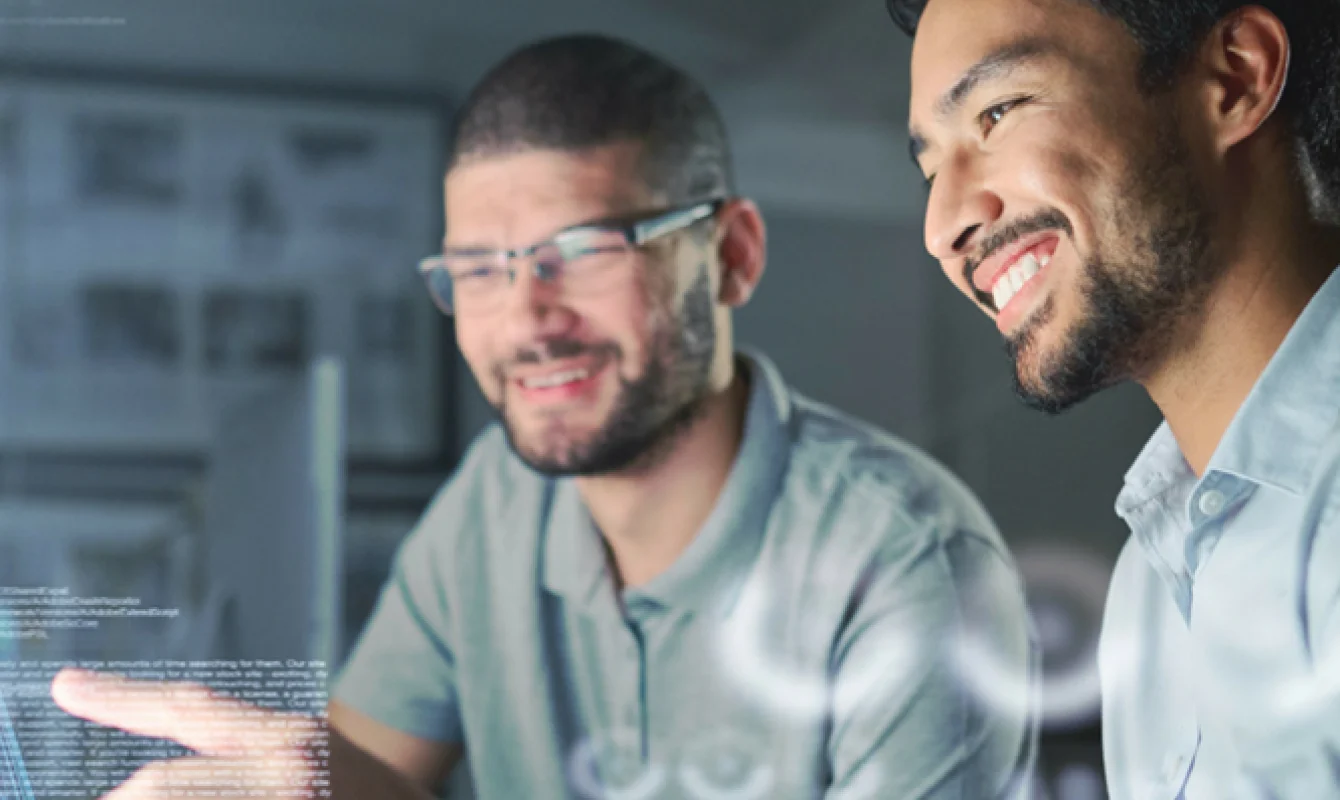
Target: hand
239,745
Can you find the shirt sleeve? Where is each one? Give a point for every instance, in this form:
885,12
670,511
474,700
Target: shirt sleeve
402,672
935,694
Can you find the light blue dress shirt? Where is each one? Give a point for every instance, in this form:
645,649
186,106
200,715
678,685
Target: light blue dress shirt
1220,651
847,624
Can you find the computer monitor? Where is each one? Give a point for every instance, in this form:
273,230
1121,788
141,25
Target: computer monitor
273,524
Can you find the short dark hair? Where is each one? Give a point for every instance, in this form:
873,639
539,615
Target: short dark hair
1168,33
581,91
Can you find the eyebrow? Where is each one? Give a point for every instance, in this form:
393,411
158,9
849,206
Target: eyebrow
613,220
993,67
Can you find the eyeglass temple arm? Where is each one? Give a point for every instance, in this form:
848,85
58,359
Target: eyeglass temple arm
653,228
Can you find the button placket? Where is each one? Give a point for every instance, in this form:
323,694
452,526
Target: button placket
634,648
1207,506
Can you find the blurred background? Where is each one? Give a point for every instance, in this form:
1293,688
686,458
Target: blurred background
198,200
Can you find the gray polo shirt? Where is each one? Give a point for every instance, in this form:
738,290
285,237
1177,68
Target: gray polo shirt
846,624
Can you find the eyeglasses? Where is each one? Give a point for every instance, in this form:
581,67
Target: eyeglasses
581,260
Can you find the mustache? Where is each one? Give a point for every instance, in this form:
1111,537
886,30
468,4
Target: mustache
1047,220
553,350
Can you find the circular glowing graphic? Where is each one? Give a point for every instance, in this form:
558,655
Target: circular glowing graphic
726,766
808,691
1066,588
609,766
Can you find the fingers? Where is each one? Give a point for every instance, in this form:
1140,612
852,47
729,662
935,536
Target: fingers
161,780
186,713
210,777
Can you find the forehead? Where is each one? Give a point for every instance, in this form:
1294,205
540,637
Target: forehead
543,188
954,35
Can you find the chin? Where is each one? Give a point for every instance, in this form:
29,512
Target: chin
549,437
547,443
1052,373
1055,381
549,457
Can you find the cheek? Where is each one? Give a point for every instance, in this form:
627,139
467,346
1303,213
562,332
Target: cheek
1043,158
620,318
637,314
1056,177
477,348
1075,184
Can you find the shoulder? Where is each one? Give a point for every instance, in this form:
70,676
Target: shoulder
1323,493
1321,537
911,555
894,532
856,470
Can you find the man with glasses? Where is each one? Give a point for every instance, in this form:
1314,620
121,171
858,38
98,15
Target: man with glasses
665,573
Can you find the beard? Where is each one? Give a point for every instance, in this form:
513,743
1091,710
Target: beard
1133,304
650,412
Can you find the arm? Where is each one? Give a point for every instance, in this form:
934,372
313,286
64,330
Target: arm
423,762
396,697
934,689
356,774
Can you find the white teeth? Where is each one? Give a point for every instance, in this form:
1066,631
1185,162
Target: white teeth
555,379
1009,284
1029,266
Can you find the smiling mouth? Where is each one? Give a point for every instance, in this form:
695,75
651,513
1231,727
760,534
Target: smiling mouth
1016,278
558,383
556,379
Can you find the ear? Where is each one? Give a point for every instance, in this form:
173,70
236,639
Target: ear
742,249
1247,55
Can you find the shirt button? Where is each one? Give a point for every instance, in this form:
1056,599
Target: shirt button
1212,502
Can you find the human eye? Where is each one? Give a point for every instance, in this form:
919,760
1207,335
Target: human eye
476,274
472,268
995,113
591,245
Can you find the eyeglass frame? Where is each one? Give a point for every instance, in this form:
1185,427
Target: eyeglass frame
636,234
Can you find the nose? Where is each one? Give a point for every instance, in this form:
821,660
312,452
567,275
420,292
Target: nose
534,308
961,208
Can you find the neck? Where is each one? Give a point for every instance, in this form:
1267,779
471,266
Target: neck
1202,384
650,516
